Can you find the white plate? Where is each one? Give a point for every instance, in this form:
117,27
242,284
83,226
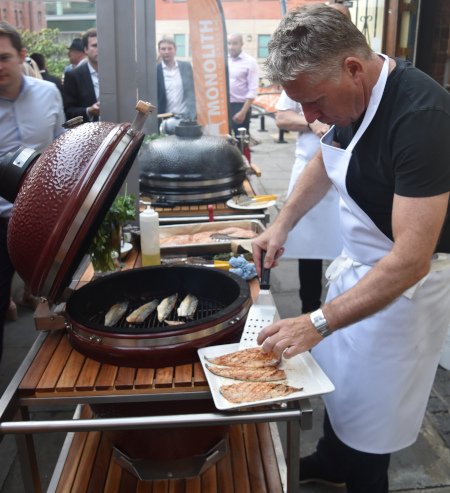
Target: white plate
125,249
301,370
251,207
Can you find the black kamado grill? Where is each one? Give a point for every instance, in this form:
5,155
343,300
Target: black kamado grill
190,168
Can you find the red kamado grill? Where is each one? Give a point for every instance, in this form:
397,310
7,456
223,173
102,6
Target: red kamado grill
224,300
60,198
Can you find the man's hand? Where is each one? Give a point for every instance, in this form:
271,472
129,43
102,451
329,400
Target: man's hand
94,110
319,128
270,241
239,117
289,337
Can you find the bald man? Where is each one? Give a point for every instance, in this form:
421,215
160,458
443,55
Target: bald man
243,83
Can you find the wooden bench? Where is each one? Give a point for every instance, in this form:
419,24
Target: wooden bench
87,465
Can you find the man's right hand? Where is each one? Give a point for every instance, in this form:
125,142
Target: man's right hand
270,241
94,110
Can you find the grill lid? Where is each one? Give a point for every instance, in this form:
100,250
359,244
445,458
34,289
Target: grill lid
64,195
190,168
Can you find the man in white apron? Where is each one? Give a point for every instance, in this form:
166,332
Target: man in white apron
381,330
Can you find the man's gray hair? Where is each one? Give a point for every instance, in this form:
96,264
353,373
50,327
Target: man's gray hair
313,40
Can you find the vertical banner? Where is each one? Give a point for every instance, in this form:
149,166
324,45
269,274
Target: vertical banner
209,63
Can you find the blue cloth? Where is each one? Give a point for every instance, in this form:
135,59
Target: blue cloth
242,267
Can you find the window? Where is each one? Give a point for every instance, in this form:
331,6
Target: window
263,41
180,41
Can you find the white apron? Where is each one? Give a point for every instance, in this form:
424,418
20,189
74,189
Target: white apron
383,367
317,234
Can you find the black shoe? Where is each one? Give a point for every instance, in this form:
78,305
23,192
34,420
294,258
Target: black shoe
311,472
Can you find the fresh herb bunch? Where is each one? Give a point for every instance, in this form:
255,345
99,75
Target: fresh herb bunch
122,210
107,238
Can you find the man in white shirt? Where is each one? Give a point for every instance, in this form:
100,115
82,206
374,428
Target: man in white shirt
175,80
31,115
243,83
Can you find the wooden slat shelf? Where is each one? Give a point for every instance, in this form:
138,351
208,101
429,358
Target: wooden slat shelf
250,466
60,370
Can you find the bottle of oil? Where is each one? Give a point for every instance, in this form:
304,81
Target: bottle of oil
149,225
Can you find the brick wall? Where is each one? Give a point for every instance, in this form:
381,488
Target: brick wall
24,14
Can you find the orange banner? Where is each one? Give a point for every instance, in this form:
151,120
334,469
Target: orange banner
209,57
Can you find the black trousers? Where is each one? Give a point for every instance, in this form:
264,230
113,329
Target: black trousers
362,472
310,275
233,108
6,275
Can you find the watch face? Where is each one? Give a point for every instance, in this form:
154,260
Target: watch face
320,323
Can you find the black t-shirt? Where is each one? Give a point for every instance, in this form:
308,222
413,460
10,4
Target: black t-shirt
405,150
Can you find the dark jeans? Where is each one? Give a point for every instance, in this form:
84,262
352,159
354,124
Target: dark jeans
362,472
233,108
6,275
310,275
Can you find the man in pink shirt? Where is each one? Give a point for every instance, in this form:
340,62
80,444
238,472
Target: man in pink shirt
243,83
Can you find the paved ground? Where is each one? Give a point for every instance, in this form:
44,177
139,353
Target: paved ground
423,467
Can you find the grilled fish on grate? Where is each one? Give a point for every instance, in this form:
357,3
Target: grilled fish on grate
188,306
141,313
115,313
166,306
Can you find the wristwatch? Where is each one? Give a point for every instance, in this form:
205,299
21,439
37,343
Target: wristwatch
320,323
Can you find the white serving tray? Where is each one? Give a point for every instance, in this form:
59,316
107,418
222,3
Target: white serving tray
252,206
301,370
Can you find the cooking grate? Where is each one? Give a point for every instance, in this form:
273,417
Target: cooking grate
205,308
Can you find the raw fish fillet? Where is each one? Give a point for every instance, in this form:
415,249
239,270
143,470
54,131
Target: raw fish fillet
238,393
263,374
251,358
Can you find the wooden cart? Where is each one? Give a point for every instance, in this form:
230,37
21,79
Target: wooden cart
54,375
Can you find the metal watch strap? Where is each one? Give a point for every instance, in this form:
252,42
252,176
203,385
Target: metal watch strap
320,323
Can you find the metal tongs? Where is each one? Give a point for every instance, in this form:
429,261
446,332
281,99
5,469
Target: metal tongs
255,199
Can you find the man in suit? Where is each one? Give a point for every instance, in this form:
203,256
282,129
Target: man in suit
76,55
175,82
81,86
